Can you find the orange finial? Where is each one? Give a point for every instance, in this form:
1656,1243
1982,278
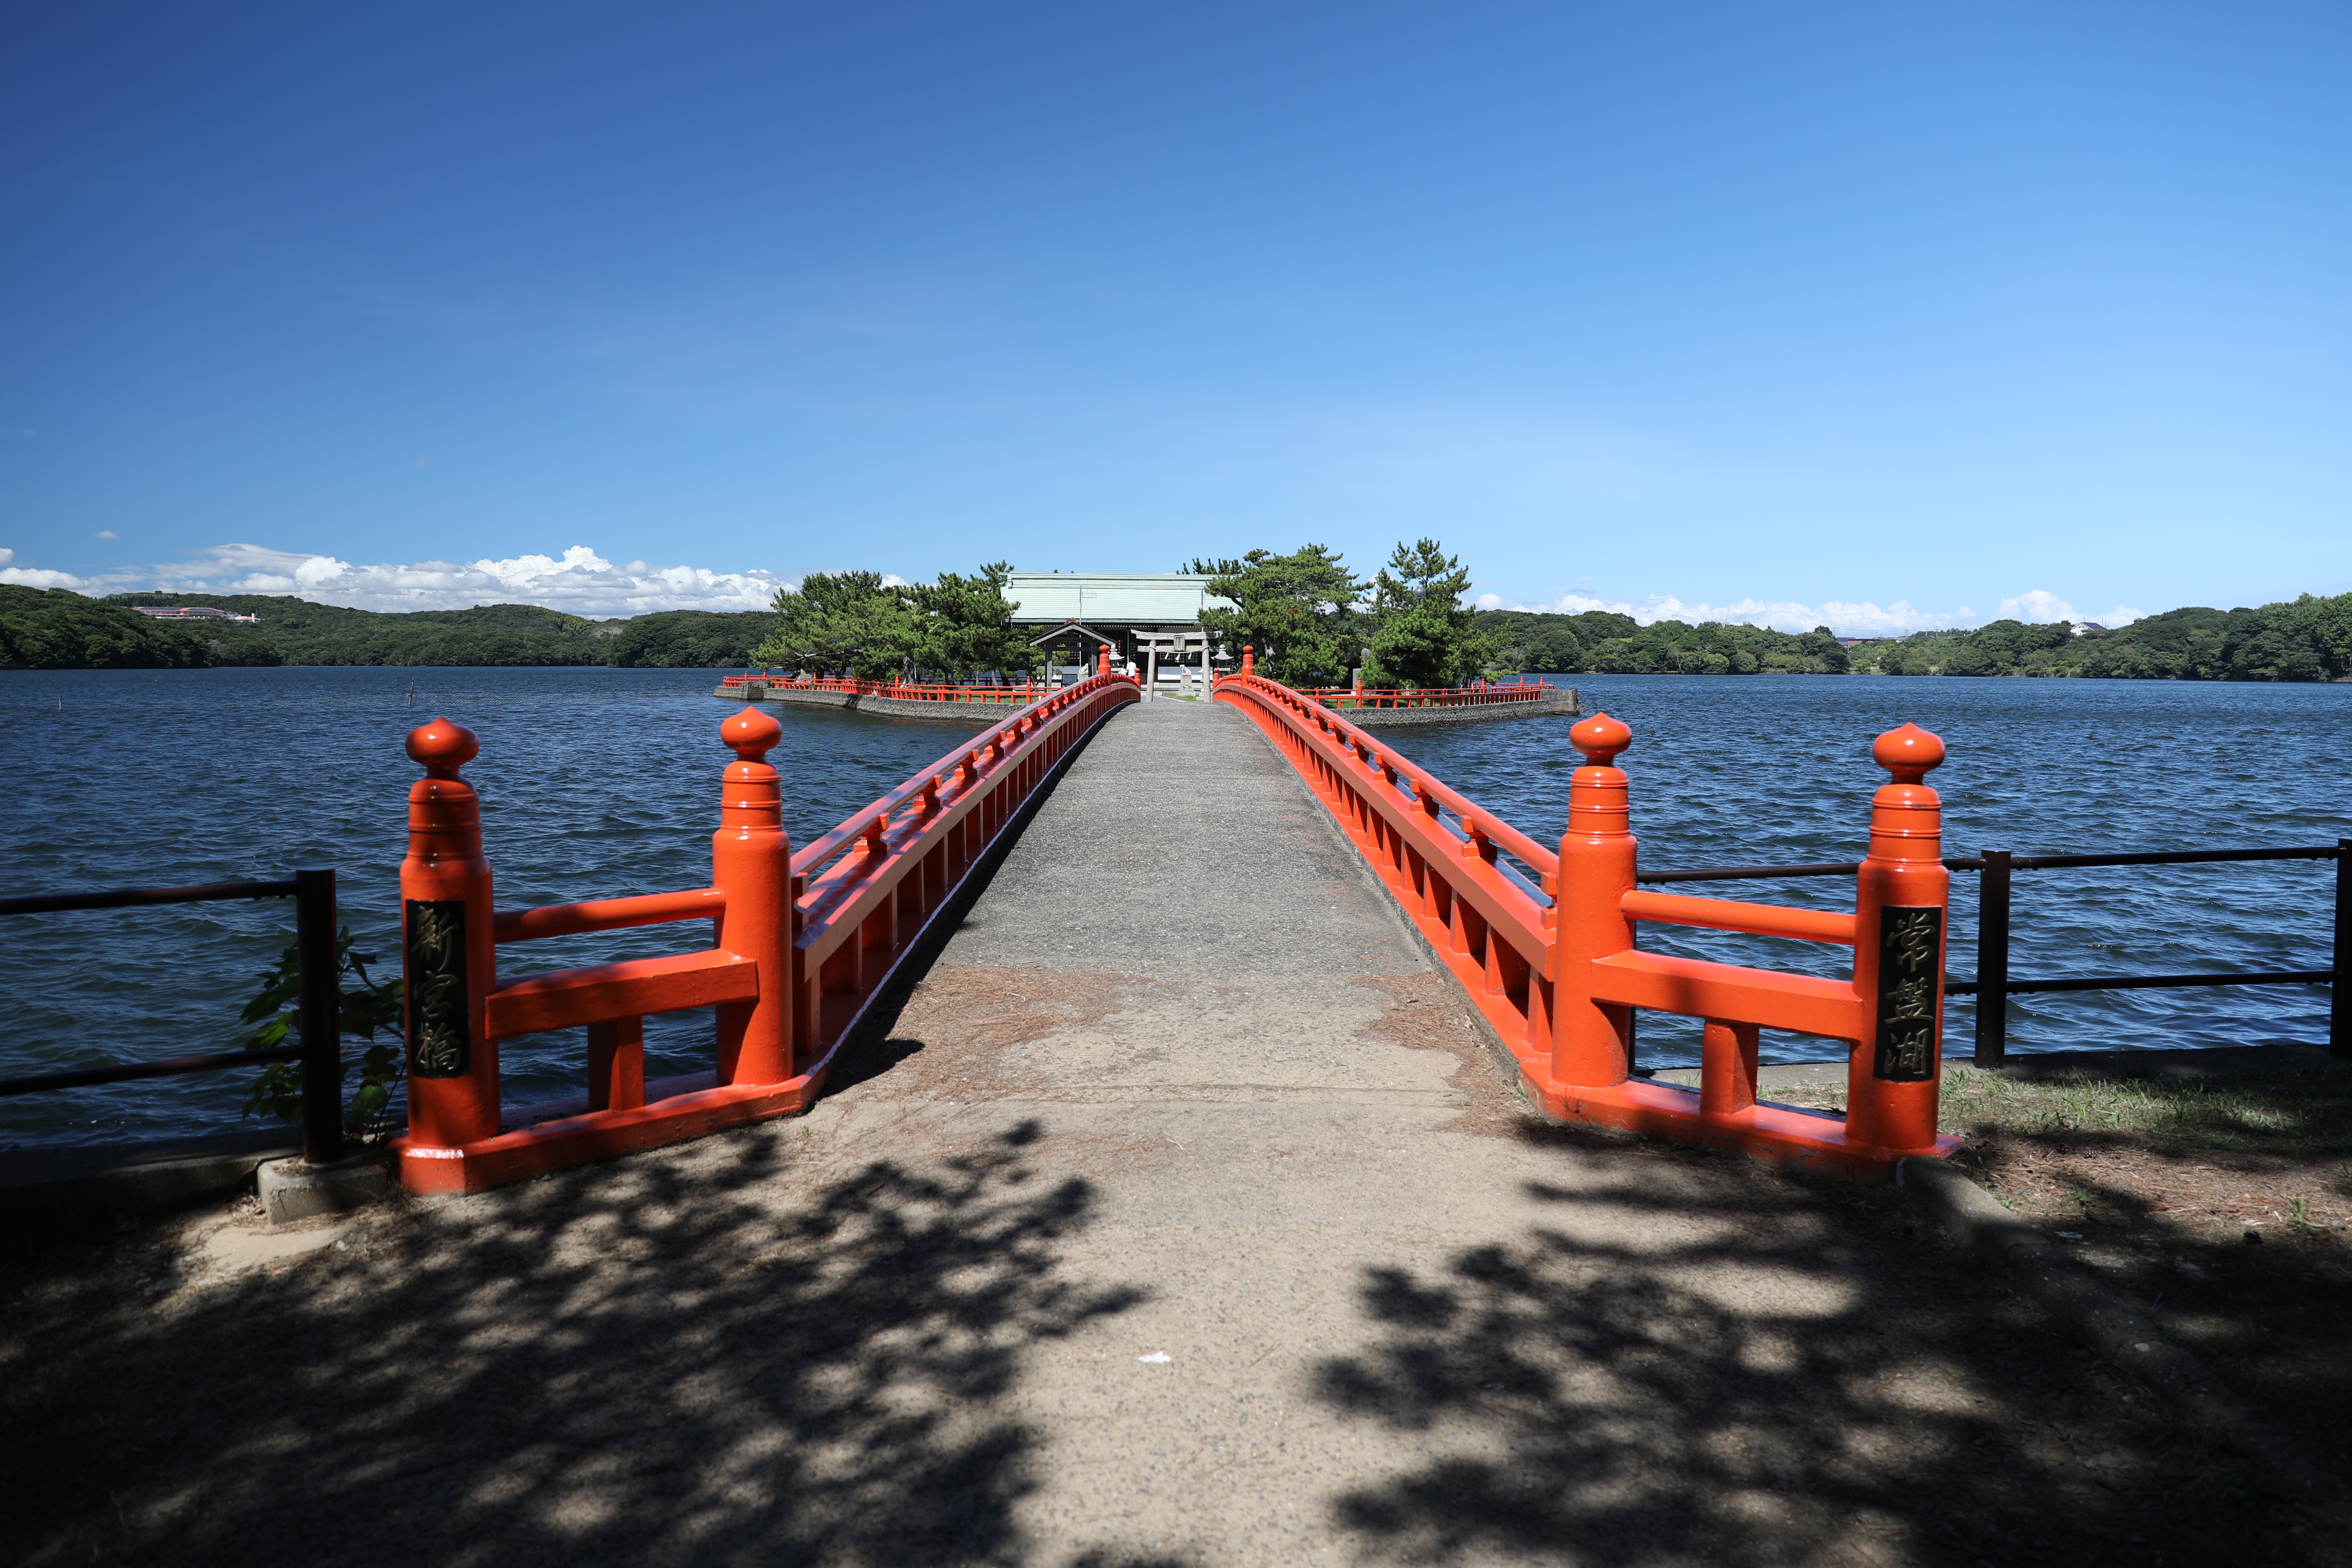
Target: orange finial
752,733
442,748
1908,753
1601,738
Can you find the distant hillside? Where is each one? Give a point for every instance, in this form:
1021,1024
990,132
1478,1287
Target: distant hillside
301,632
56,629
1603,643
2308,638
52,628
2304,639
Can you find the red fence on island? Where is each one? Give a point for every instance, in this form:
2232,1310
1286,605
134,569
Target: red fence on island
803,941
1545,947
1479,696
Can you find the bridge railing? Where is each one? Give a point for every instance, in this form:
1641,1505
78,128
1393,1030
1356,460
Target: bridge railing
1481,696
1546,949
900,691
803,943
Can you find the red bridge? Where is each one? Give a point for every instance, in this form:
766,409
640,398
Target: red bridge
807,943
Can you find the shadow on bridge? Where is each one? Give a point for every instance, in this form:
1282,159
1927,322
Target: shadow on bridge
648,1362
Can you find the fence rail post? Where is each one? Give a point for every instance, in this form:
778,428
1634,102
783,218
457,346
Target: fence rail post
1591,1040
1902,905
448,960
751,863
2340,1006
1992,959
318,1016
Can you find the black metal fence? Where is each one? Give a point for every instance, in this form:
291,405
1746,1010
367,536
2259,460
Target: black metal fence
1992,987
318,1027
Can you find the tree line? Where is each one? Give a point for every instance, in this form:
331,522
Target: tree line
863,625
2301,639
1312,621
1601,642
57,629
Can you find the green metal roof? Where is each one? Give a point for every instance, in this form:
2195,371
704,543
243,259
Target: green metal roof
1126,598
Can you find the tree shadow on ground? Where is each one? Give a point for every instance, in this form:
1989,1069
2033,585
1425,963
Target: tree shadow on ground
1765,1382
654,1361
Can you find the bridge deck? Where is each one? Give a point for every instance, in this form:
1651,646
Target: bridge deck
1182,1086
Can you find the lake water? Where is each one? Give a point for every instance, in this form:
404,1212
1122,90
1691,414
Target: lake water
598,781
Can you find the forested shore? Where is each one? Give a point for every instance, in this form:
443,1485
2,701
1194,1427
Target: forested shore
1300,609
2304,639
57,629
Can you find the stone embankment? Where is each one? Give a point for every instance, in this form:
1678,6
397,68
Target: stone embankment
1557,702
896,707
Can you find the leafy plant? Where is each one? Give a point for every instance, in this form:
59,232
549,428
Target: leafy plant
368,1006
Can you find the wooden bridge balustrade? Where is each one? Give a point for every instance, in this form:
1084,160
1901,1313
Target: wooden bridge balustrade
1544,945
804,942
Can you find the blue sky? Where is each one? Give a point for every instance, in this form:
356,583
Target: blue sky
1892,316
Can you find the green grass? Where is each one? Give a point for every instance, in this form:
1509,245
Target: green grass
2296,1115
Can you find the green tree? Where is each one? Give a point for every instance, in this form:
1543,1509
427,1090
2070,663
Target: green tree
844,623
1297,610
1423,633
967,624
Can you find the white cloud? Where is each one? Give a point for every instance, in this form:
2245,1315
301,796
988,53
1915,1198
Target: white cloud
2039,606
582,582
104,533
35,577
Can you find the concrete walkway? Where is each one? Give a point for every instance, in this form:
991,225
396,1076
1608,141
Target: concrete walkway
1182,1220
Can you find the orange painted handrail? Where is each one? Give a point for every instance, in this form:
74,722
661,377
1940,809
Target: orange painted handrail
607,914
1345,696
1548,957
1724,914
804,942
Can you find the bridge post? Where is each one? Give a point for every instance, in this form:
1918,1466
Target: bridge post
1249,659
1591,1040
1902,897
449,958
1102,659
751,863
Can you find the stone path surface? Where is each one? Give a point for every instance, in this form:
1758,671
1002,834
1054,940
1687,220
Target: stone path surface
1181,1219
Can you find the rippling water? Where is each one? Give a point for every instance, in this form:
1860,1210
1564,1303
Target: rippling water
594,783
599,782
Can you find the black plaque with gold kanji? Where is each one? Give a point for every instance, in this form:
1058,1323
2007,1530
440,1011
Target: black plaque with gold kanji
1910,956
440,1035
